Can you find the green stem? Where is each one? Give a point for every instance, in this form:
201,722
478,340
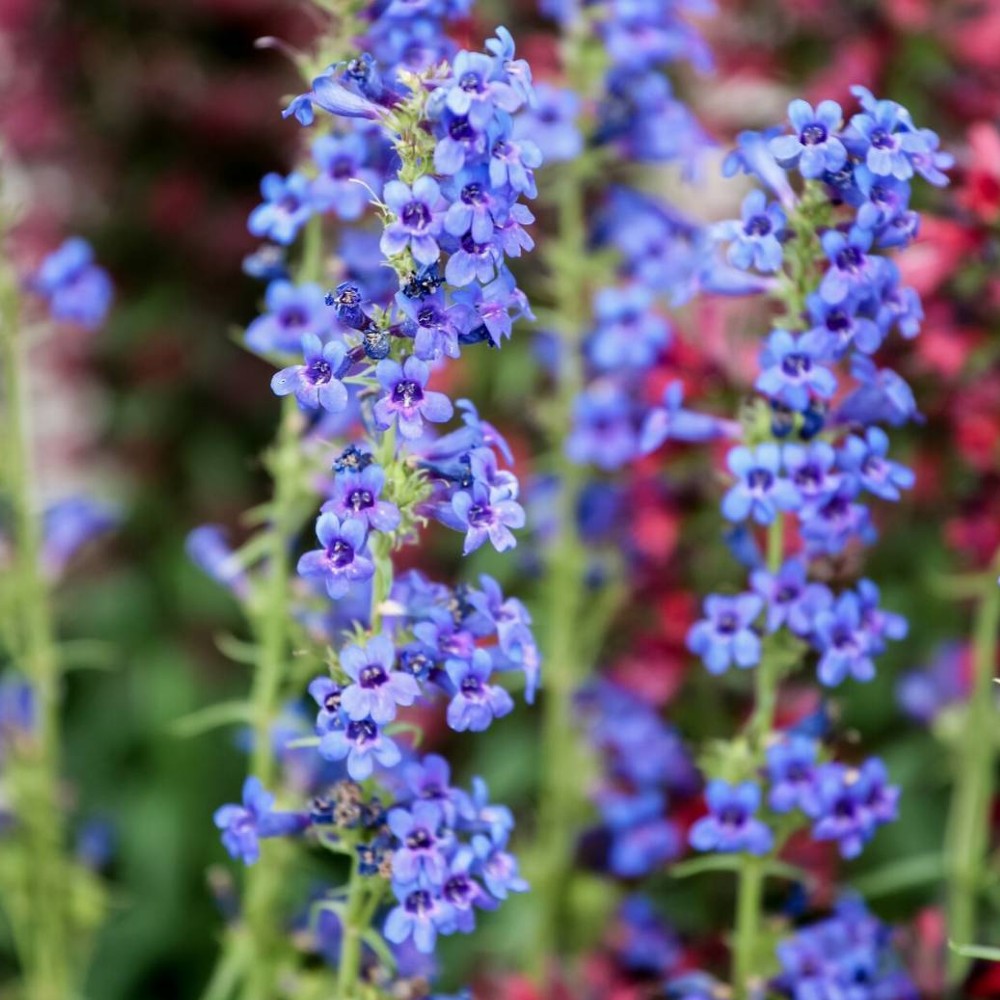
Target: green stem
352,928
750,887
45,938
969,821
270,617
565,663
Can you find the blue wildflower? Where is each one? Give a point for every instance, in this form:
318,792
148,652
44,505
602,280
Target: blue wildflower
672,422
377,688
421,914
726,634
244,826
866,459
344,558
731,825
326,693
760,491
407,403
791,772
418,213
343,184
420,856
357,494
853,271
476,702
315,383
361,743
286,208
754,240
844,642
292,312
76,289
792,601
629,332
793,371
815,146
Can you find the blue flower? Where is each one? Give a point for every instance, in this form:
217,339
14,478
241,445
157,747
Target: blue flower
420,855
828,528
814,147
377,688
755,240
361,742
844,643
753,156
884,135
417,219
315,383
852,272
69,524
759,491
793,371
497,867
852,804
842,327
812,471
357,494
327,694
76,289
343,560
343,185
551,124
208,549
463,893
286,208
407,403
421,915
429,780
476,702
487,513
731,825
865,458
791,600
243,826
629,332
603,431
672,422
883,397
791,771
460,141
726,634
642,838
880,624
293,312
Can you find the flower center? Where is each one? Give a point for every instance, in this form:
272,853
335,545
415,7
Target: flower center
796,364
813,134
760,480
850,259
331,703
319,372
882,139
341,168
362,732
419,903
360,499
294,317
340,553
460,129
419,839
480,514
727,623
837,321
406,393
416,215
471,83
471,685
473,194
758,225
372,675
458,890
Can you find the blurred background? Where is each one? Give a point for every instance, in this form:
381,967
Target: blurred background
146,126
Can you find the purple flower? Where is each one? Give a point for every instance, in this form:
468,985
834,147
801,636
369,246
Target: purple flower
812,471
420,915
418,214
844,642
881,624
472,261
421,852
356,495
286,208
343,560
513,163
883,397
333,97
791,771
759,491
476,702
865,458
828,528
852,271
551,123
814,146
343,185
884,135
243,826
315,383
463,892
791,600
852,804
459,140
672,422
406,401
731,825
76,289
792,369
429,780
327,694
361,742
498,868
755,240
842,327
726,634
292,313
642,839
487,513
377,688
603,431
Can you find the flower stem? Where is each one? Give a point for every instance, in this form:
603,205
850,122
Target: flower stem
564,662
969,822
44,935
349,968
750,887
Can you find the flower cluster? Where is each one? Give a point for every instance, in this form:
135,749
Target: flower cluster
848,954
420,157
75,288
645,768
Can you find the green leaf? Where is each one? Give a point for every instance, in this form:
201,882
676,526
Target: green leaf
226,713
733,863
923,869
976,951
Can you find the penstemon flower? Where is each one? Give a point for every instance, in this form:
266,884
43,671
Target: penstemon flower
812,450
425,137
